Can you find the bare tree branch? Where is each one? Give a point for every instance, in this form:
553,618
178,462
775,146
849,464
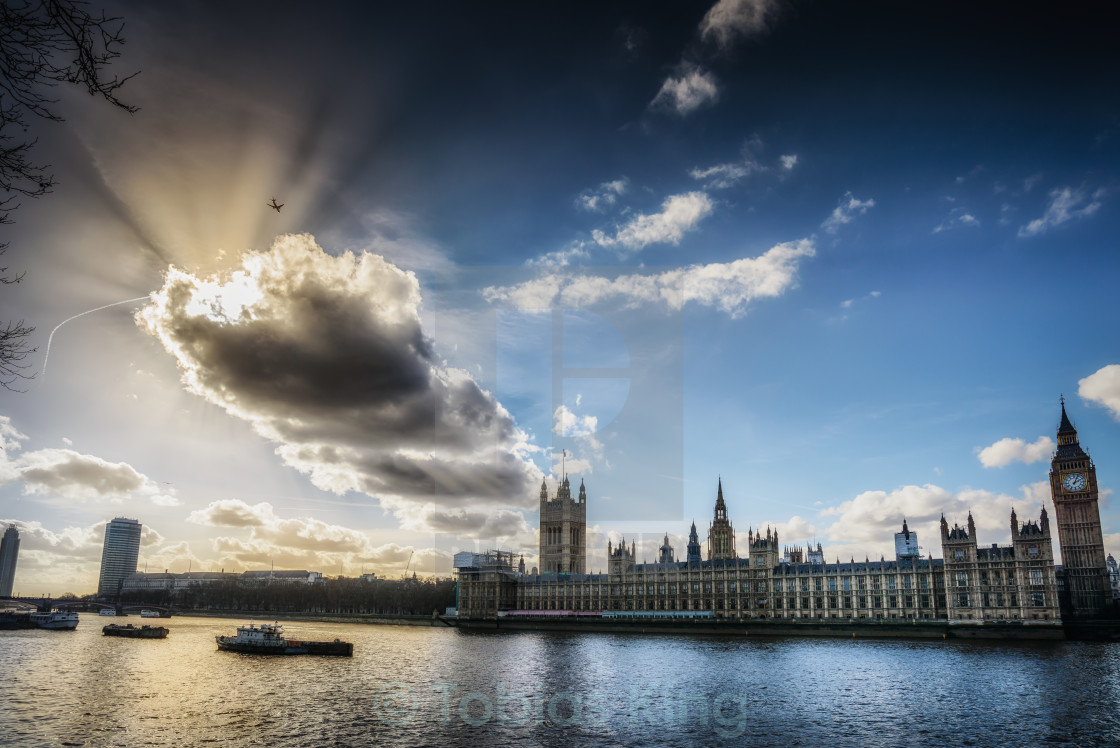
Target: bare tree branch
13,350
43,43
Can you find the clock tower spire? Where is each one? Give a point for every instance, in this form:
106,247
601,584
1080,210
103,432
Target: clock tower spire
1073,487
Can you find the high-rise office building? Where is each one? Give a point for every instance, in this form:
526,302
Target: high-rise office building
9,552
118,555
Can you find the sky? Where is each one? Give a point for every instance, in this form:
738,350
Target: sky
843,258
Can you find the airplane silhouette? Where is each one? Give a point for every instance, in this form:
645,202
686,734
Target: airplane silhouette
274,206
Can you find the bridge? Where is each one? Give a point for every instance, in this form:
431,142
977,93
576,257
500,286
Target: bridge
45,604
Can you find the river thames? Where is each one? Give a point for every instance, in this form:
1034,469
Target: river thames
415,686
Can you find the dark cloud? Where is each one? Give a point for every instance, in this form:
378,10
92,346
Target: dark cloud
70,471
327,357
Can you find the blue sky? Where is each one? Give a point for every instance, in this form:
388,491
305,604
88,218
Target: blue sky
829,253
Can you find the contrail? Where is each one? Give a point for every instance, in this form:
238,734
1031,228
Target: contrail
47,356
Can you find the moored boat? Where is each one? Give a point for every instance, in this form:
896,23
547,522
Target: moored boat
107,612
134,632
149,614
268,638
56,620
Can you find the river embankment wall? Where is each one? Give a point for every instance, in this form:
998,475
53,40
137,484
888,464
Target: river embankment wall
846,629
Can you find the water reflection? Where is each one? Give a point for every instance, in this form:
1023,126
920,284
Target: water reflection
420,686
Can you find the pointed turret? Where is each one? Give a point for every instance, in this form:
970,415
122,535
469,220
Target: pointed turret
582,492
1068,446
693,546
1064,426
971,525
544,490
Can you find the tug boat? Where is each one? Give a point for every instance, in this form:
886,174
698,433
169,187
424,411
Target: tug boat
132,632
56,620
268,638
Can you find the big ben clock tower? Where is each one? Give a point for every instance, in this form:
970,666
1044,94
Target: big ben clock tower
1073,486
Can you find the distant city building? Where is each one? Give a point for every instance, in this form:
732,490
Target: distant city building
9,554
141,581
119,555
1113,576
1073,487
306,577
905,543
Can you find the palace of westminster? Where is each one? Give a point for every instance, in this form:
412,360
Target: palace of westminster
1016,582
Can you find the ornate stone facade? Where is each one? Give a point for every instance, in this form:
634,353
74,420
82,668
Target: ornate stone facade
1015,582
1000,583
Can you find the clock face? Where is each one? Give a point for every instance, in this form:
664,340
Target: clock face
1074,482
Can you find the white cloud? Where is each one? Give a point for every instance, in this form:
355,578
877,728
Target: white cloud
679,214
722,176
688,90
1008,450
567,423
848,303
729,19
561,257
866,524
730,287
72,475
598,199
957,217
1103,387
326,357
1065,205
232,513
581,429
846,212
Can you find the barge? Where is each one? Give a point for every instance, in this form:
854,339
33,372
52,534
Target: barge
135,632
268,638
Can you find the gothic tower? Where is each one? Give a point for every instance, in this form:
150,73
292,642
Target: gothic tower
563,532
721,535
666,555
962,572
693,557
1073,487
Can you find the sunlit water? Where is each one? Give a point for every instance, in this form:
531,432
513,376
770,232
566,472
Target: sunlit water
441,687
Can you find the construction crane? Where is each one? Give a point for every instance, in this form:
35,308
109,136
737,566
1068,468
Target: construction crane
408,564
